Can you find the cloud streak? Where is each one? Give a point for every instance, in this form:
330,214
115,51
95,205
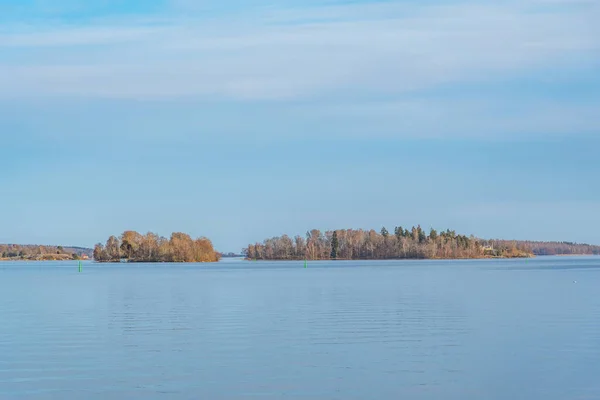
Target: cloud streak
362,49
376,69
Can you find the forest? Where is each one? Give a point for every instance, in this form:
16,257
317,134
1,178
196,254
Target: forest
10,252
416,243
556,248
132,246
357,244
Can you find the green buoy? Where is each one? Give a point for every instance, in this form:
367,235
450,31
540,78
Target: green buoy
80,267
305,264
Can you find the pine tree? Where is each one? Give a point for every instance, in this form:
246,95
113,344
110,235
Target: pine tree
399,232
334,245
433,234
421,234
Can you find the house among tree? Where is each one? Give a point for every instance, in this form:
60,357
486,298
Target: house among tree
488,250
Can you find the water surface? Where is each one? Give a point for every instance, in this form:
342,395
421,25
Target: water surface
484,329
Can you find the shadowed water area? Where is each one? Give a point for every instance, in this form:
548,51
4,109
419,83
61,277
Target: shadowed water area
476,329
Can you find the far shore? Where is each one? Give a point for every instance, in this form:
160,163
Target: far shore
395,259
16,259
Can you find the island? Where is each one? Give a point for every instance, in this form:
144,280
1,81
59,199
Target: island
339,244
19,252
414,243
132,246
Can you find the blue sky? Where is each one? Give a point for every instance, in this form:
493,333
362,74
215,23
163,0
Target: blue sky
248,119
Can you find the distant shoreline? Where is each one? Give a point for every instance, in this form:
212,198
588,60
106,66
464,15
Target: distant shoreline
397,259
42,259
403,244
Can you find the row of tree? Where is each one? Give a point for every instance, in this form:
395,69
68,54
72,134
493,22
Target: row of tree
37,252
554,248
414,243
135,247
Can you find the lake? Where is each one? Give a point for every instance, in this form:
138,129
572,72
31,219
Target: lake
475,329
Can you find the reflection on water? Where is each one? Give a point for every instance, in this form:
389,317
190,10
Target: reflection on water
493,329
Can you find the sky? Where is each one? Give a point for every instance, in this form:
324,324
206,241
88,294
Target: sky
241,120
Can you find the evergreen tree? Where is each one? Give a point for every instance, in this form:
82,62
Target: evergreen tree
433,235
399,232
421,234
334,245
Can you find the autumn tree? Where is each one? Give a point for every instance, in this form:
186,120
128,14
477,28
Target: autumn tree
361,244
135,247
112,249
100,253
130,243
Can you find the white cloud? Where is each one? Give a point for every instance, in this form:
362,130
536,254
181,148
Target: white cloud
378,48
362,69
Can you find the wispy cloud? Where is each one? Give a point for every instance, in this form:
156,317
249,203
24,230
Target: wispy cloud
345,69
371,48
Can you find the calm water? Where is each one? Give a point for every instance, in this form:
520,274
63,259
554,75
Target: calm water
490,329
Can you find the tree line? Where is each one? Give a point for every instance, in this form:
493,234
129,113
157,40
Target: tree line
37,252
353,244
414,243
132,246
555,248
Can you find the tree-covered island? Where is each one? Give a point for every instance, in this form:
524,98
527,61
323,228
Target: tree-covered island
414,243
132,246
